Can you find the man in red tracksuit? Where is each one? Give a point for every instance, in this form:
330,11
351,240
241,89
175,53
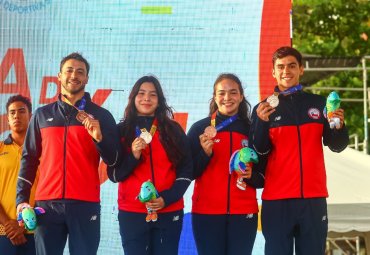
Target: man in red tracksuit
65,140
290,127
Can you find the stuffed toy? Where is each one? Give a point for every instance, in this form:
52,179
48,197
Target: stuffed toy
147,193
239,162
27,217
332,104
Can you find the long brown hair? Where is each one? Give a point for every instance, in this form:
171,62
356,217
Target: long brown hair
168,129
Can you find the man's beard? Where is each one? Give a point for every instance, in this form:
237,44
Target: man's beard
75,91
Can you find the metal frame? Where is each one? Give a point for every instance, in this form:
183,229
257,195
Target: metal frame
333,241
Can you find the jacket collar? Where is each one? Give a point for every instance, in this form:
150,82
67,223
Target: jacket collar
8,140
86,96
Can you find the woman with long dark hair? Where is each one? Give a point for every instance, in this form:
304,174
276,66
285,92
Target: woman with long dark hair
224,210
155,148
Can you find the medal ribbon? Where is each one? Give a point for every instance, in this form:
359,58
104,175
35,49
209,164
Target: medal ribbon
80,107
223,124
153,128
81,115
290,90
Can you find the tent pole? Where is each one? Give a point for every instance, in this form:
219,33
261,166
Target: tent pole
364,73
357,245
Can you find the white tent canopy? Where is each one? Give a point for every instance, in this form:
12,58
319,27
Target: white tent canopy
348,178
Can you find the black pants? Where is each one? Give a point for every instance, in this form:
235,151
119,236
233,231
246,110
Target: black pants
302,222
156,238
224,234
6,246
77,220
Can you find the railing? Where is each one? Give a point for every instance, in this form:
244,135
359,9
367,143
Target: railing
345,245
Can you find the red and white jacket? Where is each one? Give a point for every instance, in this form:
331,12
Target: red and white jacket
66,155
215,190
293,141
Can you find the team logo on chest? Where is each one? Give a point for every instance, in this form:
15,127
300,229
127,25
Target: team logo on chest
314,113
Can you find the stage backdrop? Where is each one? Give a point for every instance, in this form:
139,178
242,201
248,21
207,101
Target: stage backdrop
186,44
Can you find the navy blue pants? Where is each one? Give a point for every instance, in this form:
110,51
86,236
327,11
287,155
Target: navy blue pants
77,220
155,238
303,222
224,234
6,246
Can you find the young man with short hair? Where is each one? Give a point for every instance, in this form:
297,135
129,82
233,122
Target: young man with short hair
14,240
290,127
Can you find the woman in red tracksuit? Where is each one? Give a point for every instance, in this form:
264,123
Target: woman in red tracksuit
154,148
224,216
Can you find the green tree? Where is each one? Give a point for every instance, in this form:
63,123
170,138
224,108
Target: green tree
336,28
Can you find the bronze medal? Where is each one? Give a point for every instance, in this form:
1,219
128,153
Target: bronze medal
273,100
146,136
81,116
210,131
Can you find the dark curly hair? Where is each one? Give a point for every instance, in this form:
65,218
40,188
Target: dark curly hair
19,98
76,56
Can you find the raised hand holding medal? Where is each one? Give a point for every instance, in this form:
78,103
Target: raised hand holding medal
207,138
137,146
146,136
264,110
143,138
210,131
273,100
92,125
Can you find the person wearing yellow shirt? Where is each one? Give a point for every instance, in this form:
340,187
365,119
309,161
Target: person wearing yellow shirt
14,240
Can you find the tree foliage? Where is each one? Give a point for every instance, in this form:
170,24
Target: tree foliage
338,28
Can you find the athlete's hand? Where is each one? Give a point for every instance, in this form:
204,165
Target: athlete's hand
93,128
155,204
247,174
264,110
207,143
14,232
339,113
137,146
20,207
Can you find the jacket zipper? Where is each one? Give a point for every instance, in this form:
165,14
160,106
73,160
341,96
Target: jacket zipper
67,117
229,177
300,159
299,145
151,164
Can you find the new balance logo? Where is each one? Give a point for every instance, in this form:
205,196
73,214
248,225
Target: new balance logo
277,118
249,216
49,119
94,217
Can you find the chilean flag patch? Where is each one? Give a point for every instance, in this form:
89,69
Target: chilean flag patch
314,113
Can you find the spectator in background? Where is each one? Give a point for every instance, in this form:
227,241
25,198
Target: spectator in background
14,240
